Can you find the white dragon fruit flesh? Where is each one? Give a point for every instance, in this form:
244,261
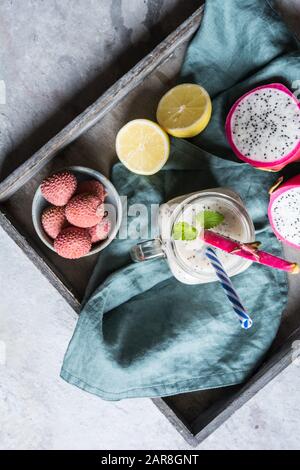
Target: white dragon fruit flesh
263,127
284,210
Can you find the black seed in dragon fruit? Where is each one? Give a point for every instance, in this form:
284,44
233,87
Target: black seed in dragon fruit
263,127
284,211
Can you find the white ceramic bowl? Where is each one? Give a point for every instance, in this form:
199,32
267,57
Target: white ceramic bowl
39,203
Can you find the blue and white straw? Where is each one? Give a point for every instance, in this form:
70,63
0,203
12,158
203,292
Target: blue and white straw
227,285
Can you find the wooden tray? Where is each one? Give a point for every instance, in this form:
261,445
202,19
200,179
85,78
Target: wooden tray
89,140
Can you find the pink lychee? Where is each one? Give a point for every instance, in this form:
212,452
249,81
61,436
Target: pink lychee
59,188
92,187
100,231
84,210
53,220
73,243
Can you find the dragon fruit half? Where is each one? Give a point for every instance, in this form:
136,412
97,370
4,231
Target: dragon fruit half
248,250
263,127
284,210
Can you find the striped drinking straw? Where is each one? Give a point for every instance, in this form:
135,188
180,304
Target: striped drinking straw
230,291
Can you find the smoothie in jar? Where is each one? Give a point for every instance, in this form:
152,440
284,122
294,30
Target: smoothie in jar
187,258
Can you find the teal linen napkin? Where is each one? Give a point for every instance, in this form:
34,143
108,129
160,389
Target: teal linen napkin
143,333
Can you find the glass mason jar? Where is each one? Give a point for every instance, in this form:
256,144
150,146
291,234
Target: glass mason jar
187,259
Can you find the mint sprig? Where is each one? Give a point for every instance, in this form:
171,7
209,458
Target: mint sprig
209,219
184,231
205,220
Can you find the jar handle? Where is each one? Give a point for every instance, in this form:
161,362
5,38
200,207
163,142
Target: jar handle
150,249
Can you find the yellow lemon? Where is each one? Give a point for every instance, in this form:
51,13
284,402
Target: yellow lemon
185,110
142,146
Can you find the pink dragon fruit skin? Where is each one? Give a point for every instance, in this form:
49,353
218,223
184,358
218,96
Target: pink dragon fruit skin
269,165
248,250
280,193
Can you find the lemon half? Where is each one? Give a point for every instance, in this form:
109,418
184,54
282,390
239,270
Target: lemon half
142,146
185,110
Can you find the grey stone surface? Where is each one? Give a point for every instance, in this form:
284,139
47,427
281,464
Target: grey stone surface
56,57
40,411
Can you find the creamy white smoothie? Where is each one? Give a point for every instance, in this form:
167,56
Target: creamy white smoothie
187,259
192,253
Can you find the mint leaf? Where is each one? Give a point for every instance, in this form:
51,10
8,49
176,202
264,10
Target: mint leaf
184,231
209,219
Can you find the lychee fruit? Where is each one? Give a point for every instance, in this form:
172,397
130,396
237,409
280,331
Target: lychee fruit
92,187
84,210
53,220
73,243
59,188
100,231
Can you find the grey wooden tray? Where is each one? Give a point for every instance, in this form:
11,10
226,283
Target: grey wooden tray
89,140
